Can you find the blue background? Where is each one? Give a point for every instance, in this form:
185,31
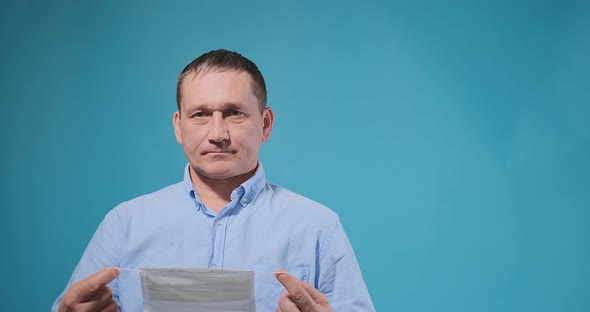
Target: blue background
452,137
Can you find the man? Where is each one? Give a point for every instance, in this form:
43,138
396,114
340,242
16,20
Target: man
224,214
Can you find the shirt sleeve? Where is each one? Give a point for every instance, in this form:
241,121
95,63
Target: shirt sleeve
103,251
340,277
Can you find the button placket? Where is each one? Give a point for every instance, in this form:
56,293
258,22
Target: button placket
218,245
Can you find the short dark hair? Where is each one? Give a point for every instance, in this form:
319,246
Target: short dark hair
224,60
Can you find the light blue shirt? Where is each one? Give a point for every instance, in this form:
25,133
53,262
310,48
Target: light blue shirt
263,228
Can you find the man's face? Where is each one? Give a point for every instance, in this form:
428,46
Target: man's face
220,125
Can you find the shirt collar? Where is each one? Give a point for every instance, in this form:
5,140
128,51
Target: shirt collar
245,193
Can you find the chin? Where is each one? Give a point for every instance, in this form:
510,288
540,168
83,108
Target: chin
219,175
218,172
222,169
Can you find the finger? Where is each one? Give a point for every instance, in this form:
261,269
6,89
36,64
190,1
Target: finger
100,300
97,302
317,296
110,307
286,304
89,286
297,293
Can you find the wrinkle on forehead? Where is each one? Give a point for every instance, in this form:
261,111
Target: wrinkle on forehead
206,69
219,91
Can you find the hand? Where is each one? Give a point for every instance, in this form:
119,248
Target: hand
300,296
91,294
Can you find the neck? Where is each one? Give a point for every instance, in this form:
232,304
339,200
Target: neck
216,193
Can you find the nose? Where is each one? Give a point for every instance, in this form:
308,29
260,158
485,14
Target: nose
218,131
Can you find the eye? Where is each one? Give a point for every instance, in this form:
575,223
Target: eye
236,113
198,115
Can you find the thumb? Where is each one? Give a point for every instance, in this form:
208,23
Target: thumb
87,287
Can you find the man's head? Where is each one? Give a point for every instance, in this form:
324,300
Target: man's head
223,60
222,118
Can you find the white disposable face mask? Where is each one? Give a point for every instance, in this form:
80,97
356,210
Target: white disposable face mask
197,290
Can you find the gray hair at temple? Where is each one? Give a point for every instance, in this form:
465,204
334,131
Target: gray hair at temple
223,60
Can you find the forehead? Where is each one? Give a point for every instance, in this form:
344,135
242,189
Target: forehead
213,88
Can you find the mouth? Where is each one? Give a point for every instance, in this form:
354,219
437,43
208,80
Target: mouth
218,152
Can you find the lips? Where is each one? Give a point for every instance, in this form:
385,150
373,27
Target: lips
220,152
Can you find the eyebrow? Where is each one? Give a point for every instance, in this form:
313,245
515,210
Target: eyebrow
224,107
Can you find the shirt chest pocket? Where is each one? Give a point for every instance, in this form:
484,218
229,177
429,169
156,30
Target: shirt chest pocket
267,289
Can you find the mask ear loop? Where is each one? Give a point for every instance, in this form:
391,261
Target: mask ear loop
130,270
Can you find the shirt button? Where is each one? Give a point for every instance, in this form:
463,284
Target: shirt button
218,222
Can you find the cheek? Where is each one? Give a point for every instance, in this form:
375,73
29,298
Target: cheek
245,141
192,138
253,143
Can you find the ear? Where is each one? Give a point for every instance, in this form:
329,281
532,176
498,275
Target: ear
176,125
268,119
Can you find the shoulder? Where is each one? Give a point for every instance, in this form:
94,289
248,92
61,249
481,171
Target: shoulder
292,204
169,196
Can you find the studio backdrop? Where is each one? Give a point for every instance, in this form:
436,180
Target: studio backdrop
451,137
